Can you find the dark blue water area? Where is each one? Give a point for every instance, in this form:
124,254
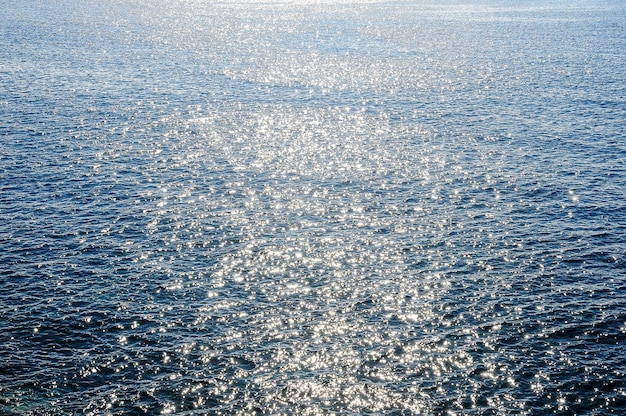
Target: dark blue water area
312,208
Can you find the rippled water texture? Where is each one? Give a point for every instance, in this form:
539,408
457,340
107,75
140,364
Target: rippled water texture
312,207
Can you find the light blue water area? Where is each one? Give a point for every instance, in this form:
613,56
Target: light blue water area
304,207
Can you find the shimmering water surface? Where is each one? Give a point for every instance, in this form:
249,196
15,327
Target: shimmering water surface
322,207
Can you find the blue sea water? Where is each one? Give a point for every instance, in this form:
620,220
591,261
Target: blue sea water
312,207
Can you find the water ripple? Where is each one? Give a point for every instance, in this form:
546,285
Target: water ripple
320,208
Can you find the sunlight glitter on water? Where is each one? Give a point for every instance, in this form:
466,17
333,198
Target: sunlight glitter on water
312,208
316,294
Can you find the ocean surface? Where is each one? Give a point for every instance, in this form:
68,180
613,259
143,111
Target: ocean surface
312,207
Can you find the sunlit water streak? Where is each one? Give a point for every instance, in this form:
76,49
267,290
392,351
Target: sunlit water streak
312,208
